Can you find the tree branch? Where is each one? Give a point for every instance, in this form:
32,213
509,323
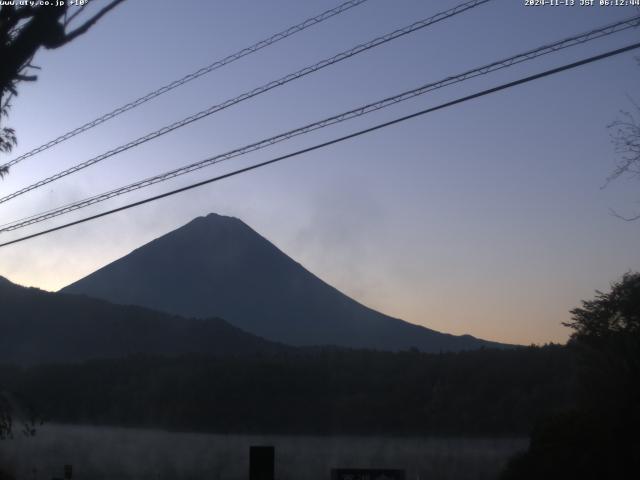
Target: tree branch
626,219
12,16
26,78
89,23
72,17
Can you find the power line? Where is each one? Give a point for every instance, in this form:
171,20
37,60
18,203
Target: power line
309,22
336,140
257,91
357,112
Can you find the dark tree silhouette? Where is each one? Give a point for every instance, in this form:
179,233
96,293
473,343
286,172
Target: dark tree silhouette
607,338
326,391
599,439
7,137
625,136
5,417
609,315
23,31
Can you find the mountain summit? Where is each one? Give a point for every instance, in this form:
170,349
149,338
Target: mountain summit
218,266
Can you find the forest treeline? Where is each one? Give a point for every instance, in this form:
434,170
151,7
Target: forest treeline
323,391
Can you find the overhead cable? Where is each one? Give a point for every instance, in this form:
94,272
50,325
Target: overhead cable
350,114
309,22
252,93
334,141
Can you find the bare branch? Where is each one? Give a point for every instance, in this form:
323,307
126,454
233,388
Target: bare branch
77,12
625,136
26,78
626,219
89,23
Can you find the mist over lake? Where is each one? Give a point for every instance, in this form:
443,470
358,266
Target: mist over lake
121,453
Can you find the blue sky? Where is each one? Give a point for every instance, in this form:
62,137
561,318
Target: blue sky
486,218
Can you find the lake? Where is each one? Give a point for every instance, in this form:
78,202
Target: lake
124,453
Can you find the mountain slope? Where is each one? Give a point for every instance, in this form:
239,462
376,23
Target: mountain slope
218,266
38,326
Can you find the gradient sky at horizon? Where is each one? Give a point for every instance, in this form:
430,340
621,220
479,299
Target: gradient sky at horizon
486,218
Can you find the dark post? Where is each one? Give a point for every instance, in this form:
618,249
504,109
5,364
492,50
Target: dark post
261,463
68,472
367,474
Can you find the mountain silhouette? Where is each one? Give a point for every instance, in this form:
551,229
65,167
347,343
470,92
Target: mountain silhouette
40,327
218,266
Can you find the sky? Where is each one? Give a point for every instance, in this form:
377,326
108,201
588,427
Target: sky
490,218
